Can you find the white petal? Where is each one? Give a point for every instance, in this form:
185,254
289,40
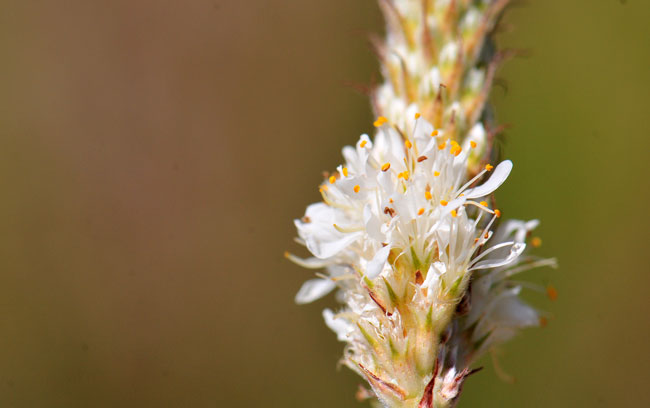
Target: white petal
500,174
520,228
339,326
443,212
377,264
372,223
385,180
433,275
326,249
314,289
515,250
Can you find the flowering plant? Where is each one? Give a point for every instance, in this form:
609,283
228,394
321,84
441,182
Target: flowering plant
408,231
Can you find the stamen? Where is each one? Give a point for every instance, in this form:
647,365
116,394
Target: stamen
442,146
357,188
455,149
347,230
473,144
418,278
484,203
421,211
380,121
443,203
363,143
332,179
405,175
497,213
469,183
408,144
310,263
536,242
417,116
454,213
385,167
537,264
551,292
434,133
428,195
489,167
345,171
436,173
543,321
422,158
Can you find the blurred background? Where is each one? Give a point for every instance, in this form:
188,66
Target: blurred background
153,155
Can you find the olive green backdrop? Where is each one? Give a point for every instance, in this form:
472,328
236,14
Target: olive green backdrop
154,153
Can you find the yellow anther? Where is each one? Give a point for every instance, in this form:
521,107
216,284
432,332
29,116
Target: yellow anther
357,188
443,203
536,242
332,179
417,116
421,211
455,150
380,121
408,144
551,292
436,173
363,143
454,213
442,146
345,171
405,175
428,195
497,213
385,167
489,167
434,133
484,203
472,143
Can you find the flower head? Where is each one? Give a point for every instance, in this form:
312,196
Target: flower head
401,231
407,231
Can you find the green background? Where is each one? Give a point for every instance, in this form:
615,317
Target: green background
154,153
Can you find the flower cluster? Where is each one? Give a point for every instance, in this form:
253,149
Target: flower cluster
402,232
407,230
